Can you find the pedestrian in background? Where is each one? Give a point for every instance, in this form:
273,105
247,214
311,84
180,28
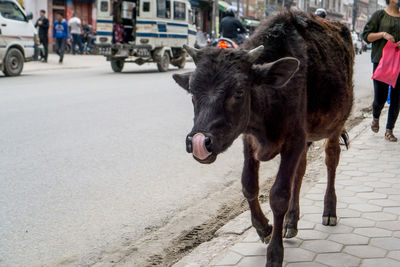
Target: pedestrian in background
384,26
61,35
75,25
43,24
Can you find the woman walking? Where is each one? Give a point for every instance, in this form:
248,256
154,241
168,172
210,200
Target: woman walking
384,26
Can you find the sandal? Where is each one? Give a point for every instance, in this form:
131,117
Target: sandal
389,136
375,125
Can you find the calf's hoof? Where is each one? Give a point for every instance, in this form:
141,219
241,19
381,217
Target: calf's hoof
266,239
273,264
265,235
289,232
329,220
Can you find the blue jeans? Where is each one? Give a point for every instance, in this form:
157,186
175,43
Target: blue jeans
60,48
77,40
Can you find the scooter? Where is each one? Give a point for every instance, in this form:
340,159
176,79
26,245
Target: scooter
225,43
89,46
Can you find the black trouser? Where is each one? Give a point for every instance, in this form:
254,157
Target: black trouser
60,47
380,96
77,40
45,43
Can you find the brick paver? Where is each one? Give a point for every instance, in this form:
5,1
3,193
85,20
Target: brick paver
368,230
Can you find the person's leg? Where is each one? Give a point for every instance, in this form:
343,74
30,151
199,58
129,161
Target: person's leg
74,42
46,49
80,43
62,49
57,46
380,96
393,108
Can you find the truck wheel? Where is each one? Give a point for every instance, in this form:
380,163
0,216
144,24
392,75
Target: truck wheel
13,62
164,63
117,65
182,62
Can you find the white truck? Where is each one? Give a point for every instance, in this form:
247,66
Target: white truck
153,31
17,37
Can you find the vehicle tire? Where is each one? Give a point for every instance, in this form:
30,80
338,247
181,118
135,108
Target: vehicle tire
117,65
182,63
13,62
164,63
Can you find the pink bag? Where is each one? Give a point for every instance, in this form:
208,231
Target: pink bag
389,67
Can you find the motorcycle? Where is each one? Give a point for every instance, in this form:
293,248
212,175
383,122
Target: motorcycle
89,45
225,43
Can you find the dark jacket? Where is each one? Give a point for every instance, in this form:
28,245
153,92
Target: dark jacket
60,30
381,21
230,27
43,28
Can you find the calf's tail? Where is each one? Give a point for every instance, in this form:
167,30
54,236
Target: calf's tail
345,139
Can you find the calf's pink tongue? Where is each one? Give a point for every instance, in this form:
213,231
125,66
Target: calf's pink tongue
199,149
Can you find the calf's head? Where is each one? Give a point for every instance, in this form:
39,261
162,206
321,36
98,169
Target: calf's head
222,87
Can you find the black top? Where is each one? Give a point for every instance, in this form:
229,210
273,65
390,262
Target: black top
381,21
230,27
43,28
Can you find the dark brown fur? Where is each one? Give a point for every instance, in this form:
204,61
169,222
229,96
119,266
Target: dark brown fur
234,95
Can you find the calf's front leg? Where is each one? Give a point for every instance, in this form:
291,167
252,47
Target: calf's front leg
332,155
279,200
250,190
293,215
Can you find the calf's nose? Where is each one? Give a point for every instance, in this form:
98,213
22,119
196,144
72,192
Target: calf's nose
200,145
208,143
189,144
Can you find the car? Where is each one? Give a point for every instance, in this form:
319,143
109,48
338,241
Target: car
17,37
356,43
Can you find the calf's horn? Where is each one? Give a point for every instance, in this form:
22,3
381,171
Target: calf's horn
191,51
255,53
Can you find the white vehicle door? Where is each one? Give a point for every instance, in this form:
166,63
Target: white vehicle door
15,27
2,43
191,28
104,22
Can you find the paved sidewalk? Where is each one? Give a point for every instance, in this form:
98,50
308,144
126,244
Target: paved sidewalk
70,62
84,62
368,209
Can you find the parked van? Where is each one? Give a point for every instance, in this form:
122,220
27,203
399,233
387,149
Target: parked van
17,37
142,31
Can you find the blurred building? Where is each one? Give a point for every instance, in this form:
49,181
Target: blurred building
86,9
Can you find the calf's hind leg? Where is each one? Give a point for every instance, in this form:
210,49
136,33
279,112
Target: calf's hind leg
332,152
250,191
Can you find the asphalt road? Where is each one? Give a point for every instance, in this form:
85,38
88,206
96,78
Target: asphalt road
90,159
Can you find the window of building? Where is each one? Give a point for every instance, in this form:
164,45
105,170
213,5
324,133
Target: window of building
179,10
10,10
104,6
146,6
58,2
164,9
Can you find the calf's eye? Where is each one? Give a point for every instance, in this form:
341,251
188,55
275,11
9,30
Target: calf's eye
238,94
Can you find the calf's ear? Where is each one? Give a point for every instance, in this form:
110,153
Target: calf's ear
183,79
276,74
